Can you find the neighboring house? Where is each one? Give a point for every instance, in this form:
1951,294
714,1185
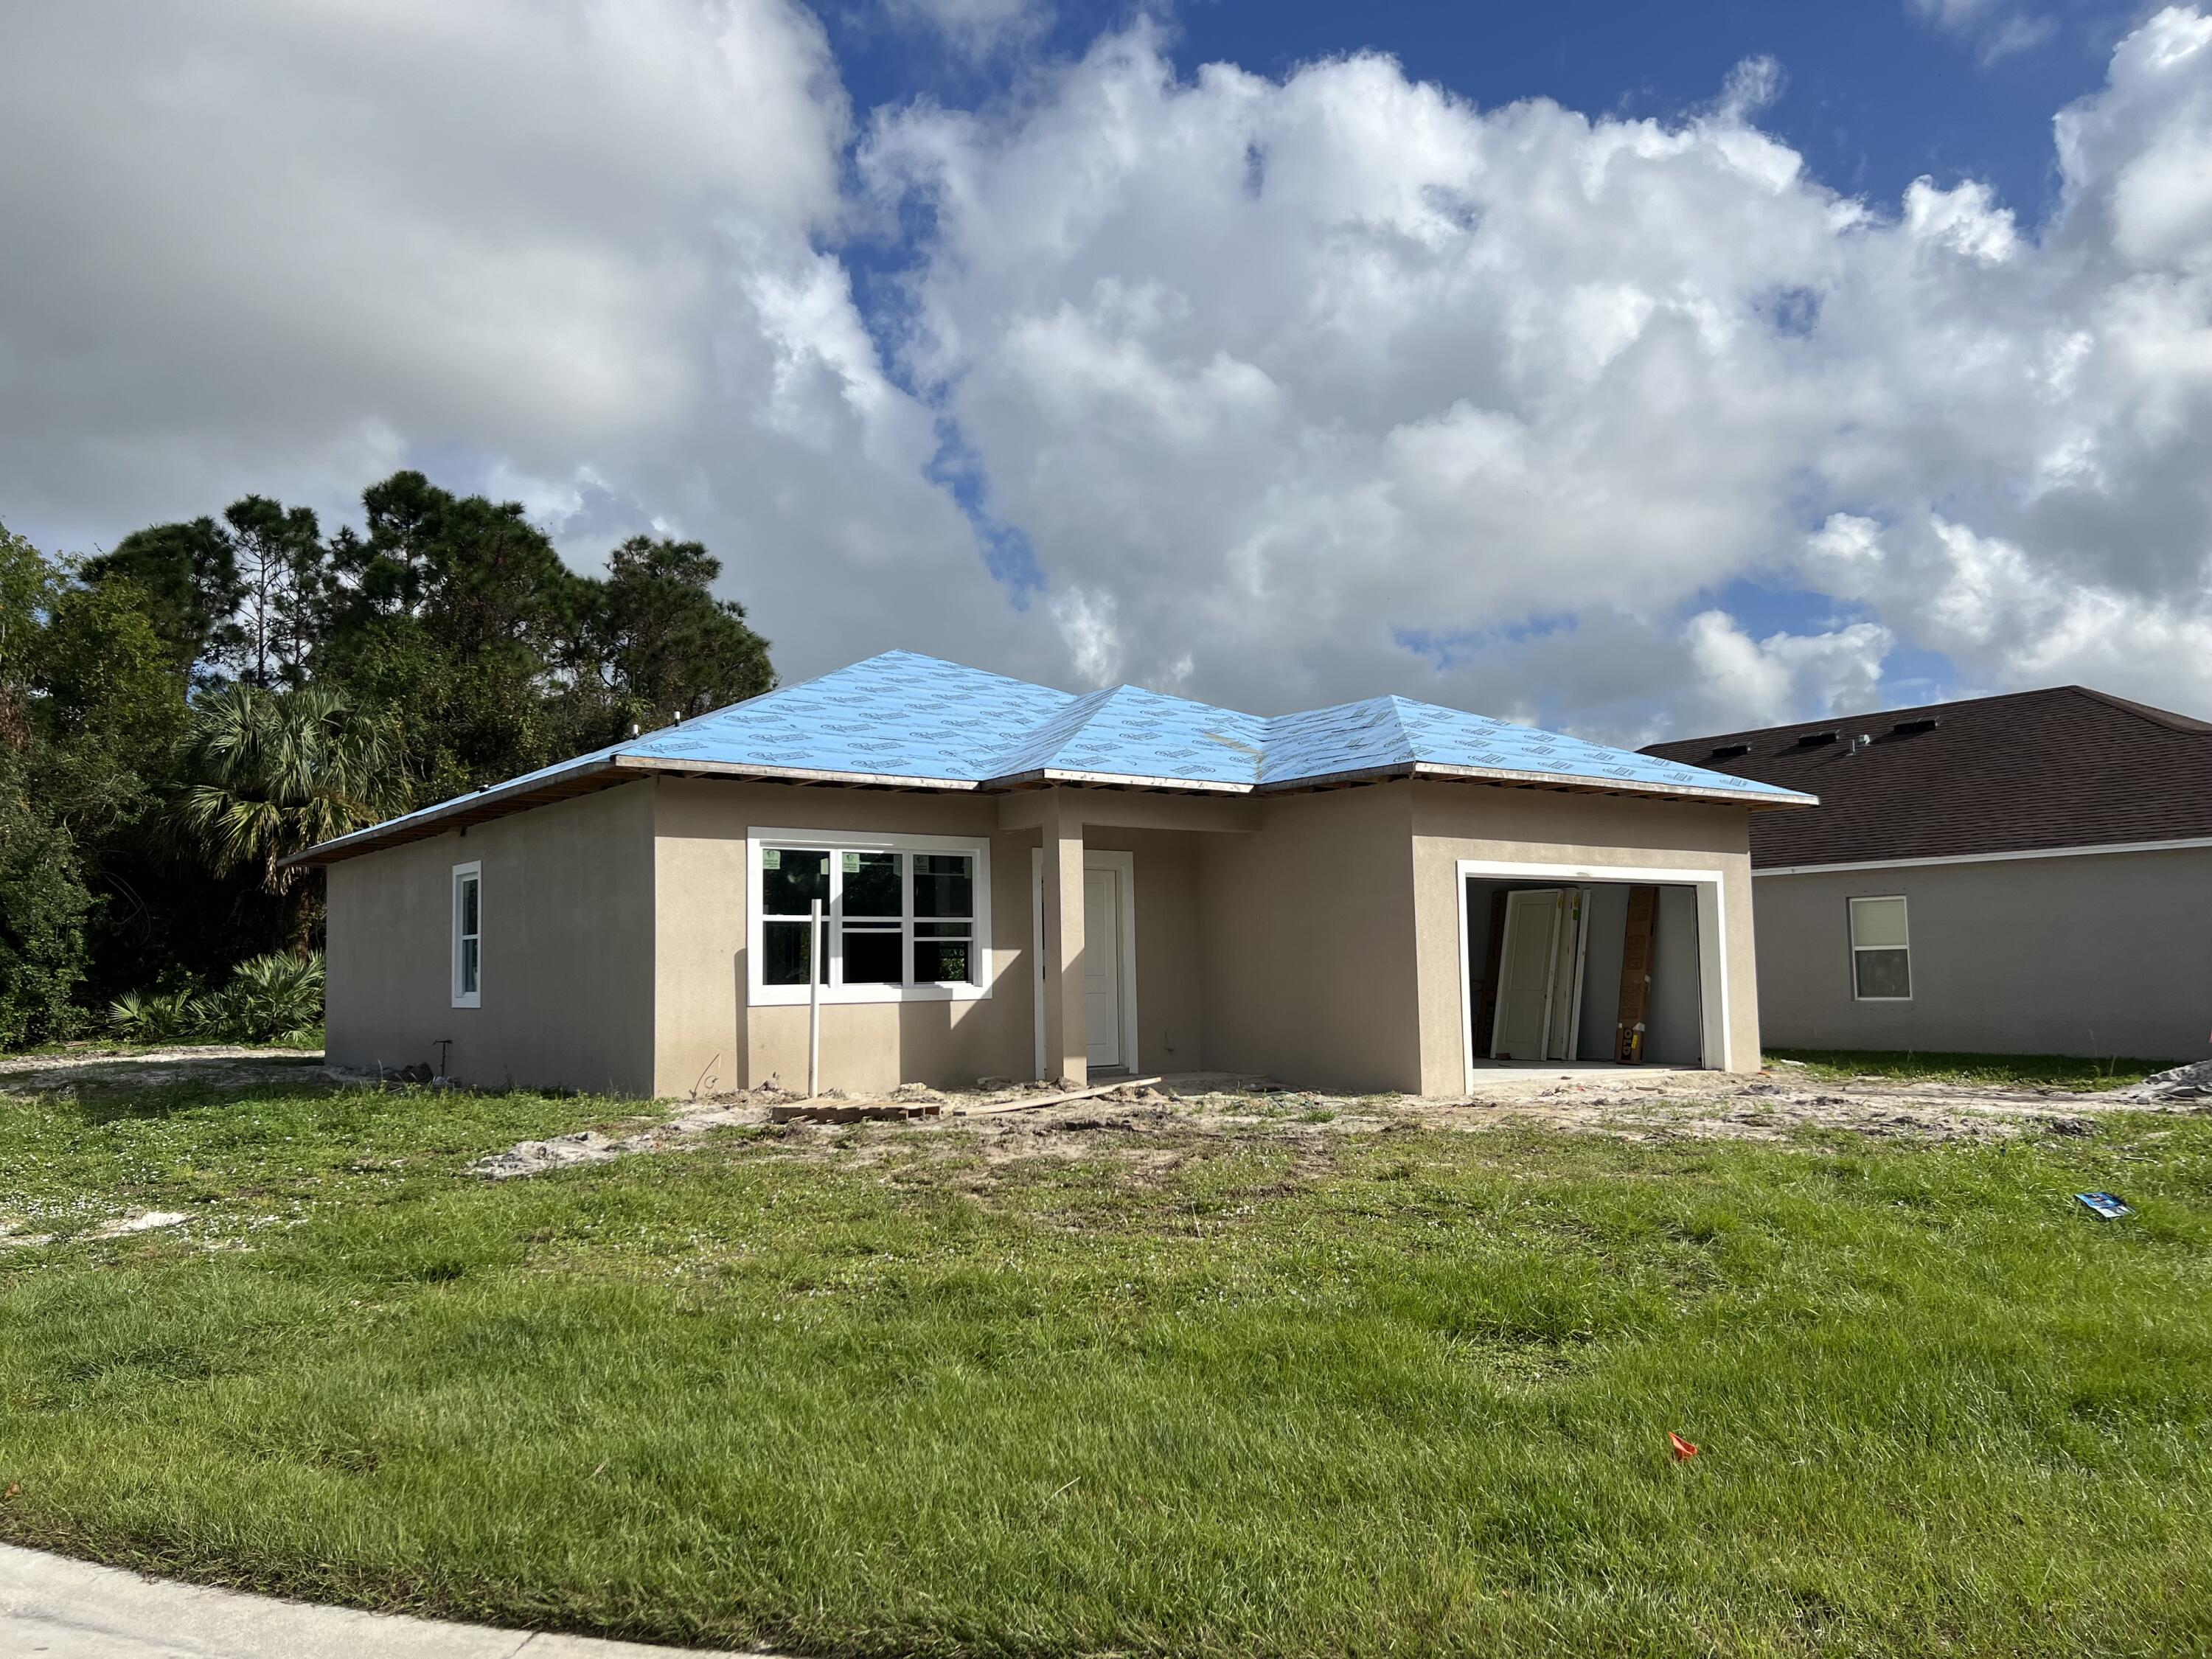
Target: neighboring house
1019,882
2022,874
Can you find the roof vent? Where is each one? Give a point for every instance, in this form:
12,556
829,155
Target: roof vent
1729,751
1925,723
1815,739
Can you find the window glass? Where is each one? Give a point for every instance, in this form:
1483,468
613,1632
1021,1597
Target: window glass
871,884
792,878
1883,973
944,885
891,919
871,955
944,961
1878,923
783,953
468,947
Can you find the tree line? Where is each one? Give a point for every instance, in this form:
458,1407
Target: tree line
181,713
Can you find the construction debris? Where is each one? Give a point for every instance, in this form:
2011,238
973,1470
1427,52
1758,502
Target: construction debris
1125,1086
2183,1083
824,1111
531,1158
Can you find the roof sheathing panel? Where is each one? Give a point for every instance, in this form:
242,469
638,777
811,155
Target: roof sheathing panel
904,721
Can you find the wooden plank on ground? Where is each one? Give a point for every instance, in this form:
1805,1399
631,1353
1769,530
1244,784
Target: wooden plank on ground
824,1111
1032,1105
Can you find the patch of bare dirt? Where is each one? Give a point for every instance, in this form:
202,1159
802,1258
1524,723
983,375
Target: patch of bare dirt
1153,1129
216,1066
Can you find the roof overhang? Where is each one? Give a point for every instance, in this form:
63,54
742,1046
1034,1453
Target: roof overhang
1569,782
595,773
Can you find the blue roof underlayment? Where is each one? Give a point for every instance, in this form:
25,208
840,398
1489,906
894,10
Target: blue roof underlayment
914,719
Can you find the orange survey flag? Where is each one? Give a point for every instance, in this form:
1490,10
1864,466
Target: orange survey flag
1683,1449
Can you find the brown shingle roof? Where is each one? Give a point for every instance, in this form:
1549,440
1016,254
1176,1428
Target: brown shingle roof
2067,767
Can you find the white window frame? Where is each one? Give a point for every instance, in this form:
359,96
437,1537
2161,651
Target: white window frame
463,873
760,995
1851,938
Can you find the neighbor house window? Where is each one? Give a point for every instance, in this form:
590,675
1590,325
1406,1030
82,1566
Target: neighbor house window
902,916
1882,951
468,935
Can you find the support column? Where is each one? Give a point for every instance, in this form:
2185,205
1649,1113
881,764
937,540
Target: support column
1066,1041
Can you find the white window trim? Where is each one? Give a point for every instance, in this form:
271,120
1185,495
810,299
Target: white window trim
1711,888
1851,938
759,994
472,871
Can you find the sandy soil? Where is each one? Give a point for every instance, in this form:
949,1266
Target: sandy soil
1179,1112
1158,1126
218,1065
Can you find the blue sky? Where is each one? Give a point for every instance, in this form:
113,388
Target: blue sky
1873,95
1785,363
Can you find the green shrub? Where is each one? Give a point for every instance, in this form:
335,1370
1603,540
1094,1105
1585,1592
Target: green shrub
155,1016
271,998
43,905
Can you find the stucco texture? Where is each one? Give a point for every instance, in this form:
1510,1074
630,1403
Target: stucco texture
1309,966
1311,938
567,966
2101,954
1450,822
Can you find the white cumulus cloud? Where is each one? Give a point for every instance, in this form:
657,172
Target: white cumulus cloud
1299,388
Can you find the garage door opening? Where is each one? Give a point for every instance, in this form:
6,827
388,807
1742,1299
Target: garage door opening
1584,972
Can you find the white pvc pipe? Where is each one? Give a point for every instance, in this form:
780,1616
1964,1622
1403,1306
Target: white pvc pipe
814,1002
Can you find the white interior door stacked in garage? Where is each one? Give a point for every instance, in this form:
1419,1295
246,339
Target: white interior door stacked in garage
1540,975
1109,958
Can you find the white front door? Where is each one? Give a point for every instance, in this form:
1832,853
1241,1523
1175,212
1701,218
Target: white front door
1526,963
1101,966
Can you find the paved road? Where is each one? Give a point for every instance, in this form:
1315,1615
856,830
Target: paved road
67,1609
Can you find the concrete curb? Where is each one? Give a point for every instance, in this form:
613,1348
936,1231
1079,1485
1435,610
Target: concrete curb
67,1609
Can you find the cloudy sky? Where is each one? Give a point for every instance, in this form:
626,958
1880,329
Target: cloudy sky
1637,370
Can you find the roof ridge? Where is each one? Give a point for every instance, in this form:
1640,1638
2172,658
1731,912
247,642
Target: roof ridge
2165,717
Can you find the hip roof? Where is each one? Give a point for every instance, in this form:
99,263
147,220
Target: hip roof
904,720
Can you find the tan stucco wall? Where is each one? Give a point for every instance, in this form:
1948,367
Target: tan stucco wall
567,981
1313,938
2103,955
706,1029
705,1026
1308,965
1170,993
1449,822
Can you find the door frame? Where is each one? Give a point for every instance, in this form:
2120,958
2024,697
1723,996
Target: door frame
1124,866
1711,888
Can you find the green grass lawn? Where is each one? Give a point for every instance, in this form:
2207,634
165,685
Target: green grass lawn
2069,1072
867,1392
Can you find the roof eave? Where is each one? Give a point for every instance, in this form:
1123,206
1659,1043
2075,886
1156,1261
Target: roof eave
603,771
1756,799
495,802
597,772
689,767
